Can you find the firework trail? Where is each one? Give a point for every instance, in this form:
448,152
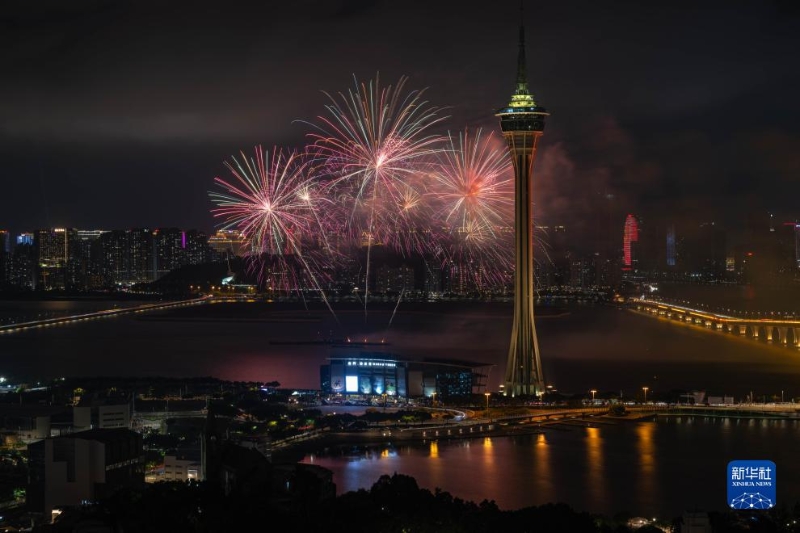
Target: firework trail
474,189
543,247
373,141
273,200
394,312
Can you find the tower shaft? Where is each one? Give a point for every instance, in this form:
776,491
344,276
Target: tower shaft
524,367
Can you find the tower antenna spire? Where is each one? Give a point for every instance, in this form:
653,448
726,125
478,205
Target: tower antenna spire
522,79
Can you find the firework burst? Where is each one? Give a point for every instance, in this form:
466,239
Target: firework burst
374,142
274,202
475,193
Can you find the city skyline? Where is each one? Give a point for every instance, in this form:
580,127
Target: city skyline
123,115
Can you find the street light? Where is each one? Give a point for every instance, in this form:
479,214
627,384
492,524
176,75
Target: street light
487,402
593,391
645,389
433,399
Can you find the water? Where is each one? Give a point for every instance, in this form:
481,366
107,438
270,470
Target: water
583,348
653,469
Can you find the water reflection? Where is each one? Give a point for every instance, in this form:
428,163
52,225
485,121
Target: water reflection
488,454
433,449
595,466
639,468
647,478
542,473
437,469
491,477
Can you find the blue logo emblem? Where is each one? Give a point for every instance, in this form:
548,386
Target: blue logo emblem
751,484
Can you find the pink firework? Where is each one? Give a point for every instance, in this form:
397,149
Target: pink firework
475,193
374,143
272,200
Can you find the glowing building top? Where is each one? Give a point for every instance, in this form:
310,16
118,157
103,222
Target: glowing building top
522,113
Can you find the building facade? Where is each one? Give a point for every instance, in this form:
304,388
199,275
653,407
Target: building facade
630,240
367,376
65,471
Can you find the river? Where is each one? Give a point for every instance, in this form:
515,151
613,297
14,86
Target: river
583,347
655,468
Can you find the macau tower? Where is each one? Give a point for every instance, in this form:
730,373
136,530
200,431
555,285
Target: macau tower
522,122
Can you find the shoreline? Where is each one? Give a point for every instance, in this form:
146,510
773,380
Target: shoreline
376,437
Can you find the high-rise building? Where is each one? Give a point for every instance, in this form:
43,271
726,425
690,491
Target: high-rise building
86,269
576,273
5,257
462,277
141,255
553,256
53,255
196,249
797,245
5,241
127,256
672,255
174,248
169,250
25,238
22,270
390,279
630,238
522,122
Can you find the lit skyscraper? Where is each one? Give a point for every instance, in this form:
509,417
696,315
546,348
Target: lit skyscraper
5,241
672,255
630,237
169,250
52,247
796,228
5,256
522,122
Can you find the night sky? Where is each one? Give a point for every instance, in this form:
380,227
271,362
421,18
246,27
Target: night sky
118,114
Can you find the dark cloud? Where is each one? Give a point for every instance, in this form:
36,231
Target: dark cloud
658,108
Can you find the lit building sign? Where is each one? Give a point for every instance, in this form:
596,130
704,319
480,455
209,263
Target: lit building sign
372,363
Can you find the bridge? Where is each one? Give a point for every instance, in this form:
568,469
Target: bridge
783,329
97,315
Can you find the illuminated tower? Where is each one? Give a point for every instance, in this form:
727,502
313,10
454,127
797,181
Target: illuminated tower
522,122
630,237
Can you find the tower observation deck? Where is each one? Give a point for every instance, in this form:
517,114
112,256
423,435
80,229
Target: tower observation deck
522,122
